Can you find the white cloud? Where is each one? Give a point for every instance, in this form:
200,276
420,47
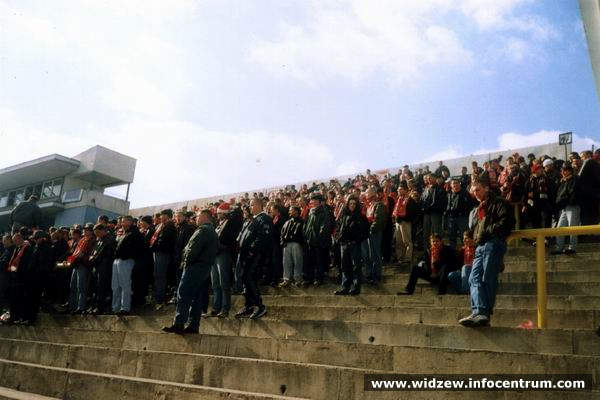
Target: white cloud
357,39
179,160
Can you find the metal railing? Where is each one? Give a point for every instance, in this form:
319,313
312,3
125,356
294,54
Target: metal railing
540,259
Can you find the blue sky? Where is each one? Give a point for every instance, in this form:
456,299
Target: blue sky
221,96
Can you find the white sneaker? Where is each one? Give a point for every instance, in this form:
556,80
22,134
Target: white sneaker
474,321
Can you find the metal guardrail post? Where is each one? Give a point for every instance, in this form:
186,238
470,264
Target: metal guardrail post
542,292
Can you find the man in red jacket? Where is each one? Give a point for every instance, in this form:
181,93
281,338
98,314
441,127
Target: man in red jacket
403,214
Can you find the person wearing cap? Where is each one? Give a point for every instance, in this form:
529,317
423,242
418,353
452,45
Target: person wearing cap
80,277
101,260
568,198
493,221
228,227
162,245
128,249
198,258
26,213
317,233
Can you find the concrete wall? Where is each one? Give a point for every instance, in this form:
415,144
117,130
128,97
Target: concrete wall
107,162
81,215
455,165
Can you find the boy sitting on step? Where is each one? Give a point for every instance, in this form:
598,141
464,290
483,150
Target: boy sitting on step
437,263
459,280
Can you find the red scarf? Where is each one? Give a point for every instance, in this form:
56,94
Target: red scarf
83,247
400,208
481,210
156,233
16,257
371,211
468,255
436,254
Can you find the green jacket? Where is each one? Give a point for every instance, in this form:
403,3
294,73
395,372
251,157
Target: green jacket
201,249
377,216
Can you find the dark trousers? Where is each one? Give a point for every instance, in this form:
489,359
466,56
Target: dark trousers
249,270
351,265
141,277
103,279
192,296
276,270
420,271
386,241
316,263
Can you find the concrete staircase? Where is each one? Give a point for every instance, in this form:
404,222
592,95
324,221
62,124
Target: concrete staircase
315,345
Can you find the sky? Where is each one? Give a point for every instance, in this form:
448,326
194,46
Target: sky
220,96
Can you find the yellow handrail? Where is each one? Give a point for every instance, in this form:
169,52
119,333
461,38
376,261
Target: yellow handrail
540,259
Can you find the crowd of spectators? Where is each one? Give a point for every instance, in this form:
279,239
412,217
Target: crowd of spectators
343,231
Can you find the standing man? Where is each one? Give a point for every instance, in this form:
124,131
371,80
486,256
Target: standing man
101,260
185,230
317,233
568,199
403,215
493,222
255,243
292,239
457,212
18,269
198,258
80,262
222,270
129,248
376,215
26,214
433,204
162,245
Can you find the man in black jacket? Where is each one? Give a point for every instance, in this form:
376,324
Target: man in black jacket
458,207
317,233
589,178
35,275
8,248
101,260
197,260
222,270
493,222
128,249
26,214
568,199
18,271
292,239
255,245
354,229
185,230
162,245
433,204
435,266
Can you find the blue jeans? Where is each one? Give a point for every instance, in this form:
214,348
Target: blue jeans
80,280
374,261
220,275
121,284
457,225
483,281
161,265
569,216
191,295
460,279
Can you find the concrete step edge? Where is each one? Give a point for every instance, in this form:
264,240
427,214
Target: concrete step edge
6,393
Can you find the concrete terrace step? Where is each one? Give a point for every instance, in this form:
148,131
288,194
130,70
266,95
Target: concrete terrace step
399,359
515,288
550,341
237,373
75,384
82,385
9,394
430,299
578,276
527,250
